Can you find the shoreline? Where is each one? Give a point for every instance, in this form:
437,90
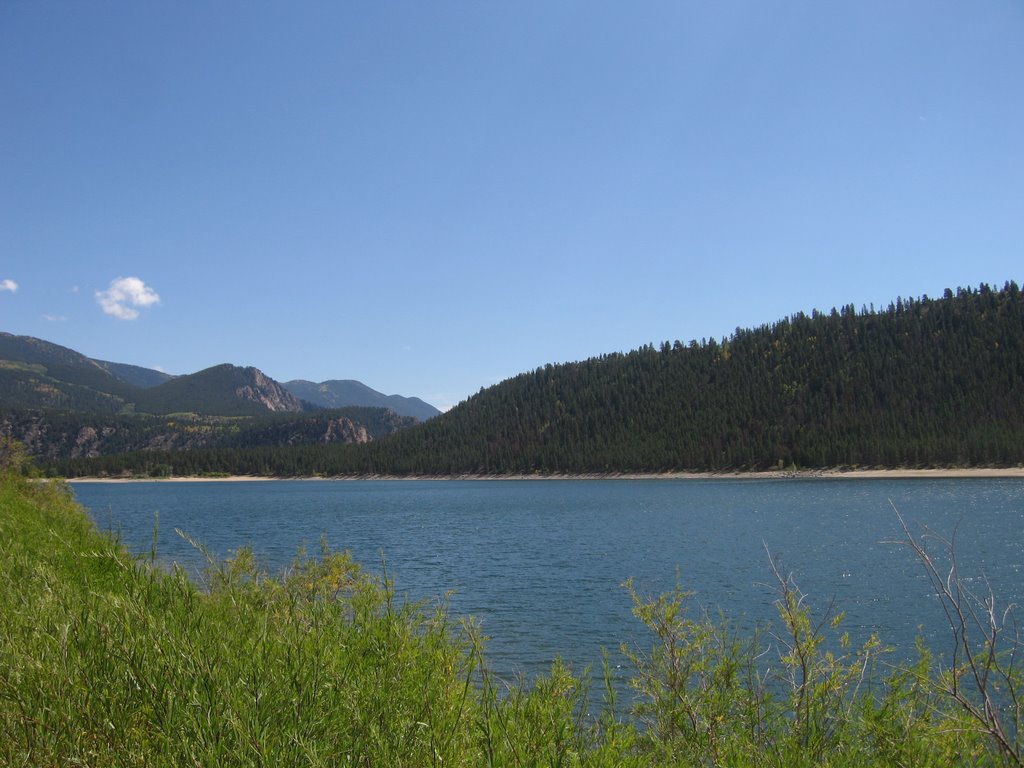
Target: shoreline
802,474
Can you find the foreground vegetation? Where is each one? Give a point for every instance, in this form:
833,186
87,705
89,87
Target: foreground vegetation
110,660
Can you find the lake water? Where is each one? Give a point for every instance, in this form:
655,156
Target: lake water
541,563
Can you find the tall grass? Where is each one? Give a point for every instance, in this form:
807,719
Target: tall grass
106,660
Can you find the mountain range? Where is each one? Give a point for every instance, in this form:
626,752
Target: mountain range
924,382
338,393
39,374
63,405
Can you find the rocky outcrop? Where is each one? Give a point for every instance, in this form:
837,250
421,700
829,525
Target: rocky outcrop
30,432
46,440
345,431
264,390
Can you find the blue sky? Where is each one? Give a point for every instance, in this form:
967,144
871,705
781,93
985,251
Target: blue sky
432,197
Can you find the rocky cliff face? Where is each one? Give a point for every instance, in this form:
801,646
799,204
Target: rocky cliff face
264,390
55,437
345,430
52,436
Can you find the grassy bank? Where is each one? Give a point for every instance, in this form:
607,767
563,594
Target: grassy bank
108,660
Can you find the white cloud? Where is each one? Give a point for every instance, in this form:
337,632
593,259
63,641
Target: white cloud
123,295
54,318
8,285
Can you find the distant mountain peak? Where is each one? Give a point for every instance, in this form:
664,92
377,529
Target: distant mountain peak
339,393
225,390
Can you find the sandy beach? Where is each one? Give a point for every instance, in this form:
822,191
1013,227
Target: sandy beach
843,474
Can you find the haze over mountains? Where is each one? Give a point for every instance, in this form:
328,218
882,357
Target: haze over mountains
338,393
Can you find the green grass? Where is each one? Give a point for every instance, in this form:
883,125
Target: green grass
106,660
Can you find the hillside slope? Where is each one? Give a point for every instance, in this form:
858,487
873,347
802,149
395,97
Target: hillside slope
923,382
38,374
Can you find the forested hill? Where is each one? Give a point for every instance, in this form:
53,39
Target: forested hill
925,382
